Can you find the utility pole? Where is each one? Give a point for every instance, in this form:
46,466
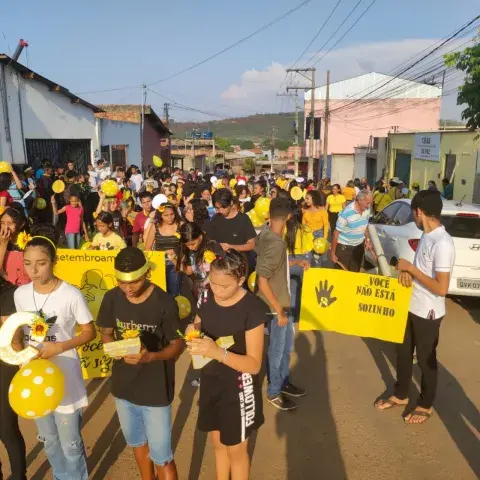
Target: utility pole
295,130
326,119
142,125
301,71
167,121
273,132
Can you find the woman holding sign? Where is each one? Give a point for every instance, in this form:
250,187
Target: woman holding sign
62,308
143,382
230,407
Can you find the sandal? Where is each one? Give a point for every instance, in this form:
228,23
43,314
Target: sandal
418,413
390,404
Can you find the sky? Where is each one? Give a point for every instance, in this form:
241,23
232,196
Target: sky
104,45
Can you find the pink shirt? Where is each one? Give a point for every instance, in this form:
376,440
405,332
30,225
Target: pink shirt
74,219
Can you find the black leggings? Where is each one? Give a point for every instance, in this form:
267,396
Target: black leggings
10,433
332,219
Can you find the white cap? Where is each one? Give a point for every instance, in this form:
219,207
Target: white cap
213,179
158,200
300,179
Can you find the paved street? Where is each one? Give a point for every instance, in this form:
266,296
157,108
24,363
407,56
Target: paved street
336,433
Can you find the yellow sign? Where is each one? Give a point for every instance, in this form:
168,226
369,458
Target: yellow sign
355,304
93,273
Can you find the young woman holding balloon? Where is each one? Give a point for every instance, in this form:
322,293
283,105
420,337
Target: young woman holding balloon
61,308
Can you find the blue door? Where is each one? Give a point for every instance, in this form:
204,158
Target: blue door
402,167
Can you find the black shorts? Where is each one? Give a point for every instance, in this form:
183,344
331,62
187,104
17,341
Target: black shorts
232,405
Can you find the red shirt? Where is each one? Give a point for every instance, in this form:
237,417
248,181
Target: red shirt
9,198
74,219
241,177
139,222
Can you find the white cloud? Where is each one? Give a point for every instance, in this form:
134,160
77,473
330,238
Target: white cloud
258,88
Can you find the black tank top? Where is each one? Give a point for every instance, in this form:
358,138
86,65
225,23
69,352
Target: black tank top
166,242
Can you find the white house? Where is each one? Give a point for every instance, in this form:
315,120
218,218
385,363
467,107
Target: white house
41,119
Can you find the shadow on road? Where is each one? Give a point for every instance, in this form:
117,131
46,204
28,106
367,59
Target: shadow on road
470,304
458,413
313,450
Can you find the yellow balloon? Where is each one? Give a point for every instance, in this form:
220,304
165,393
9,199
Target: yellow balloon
262,207
86,246
157,161
37,389
58,186
5,167
255,219
110,188
320,245
252,280
40,203
184,306
296,193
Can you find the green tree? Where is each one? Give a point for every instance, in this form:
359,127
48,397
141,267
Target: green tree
245,144
224,144
249,165
468,61
280,144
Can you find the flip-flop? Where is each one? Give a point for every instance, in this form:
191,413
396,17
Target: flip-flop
390,403
418,413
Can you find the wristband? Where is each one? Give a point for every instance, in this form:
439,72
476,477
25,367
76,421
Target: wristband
225,351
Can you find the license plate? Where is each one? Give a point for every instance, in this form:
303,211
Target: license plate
470,283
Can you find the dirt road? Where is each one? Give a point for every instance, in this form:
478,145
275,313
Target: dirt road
336,433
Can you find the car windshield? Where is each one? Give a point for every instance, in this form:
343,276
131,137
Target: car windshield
461,227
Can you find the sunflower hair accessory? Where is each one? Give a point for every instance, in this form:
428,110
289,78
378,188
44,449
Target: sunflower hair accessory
22,239
209,256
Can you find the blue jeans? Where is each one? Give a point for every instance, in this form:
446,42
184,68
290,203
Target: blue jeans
147,425
296,279
279,350
174,280
73,240
62,440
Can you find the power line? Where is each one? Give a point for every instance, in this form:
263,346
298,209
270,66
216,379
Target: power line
346,33
233,45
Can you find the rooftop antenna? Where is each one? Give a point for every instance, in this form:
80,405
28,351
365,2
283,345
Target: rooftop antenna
21,45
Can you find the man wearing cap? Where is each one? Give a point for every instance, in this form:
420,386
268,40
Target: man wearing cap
28,183
395,190
415,189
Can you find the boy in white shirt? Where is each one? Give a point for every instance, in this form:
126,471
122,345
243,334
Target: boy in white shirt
430,275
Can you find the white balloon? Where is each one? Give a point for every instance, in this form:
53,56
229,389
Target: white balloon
158,200
213,180
13,322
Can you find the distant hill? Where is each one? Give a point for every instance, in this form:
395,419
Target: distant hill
254,127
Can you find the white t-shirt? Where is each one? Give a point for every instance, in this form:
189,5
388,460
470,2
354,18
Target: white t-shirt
70,307
137,179
435,253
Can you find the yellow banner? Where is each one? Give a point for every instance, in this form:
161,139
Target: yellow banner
93,273
354,303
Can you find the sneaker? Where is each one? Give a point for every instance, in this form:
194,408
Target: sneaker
282,403
293,391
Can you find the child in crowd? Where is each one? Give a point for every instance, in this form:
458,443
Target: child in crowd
230,406
143,384
106,238
75,222
55,299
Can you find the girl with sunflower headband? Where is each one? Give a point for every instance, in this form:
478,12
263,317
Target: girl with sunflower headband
143,383
62,308
163,236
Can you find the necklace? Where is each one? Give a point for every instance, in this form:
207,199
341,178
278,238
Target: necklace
40,312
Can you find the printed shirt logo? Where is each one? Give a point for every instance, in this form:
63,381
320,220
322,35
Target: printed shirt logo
132,329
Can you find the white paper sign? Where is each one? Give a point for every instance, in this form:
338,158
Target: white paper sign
427,146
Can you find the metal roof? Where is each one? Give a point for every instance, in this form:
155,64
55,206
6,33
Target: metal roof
365,87
31,75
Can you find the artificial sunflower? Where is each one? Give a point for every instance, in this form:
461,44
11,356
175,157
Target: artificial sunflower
209,256
191,335
22,239
176,234
161,208
39,329
130,333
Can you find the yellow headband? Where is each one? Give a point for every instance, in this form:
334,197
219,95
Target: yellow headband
133,276
44,238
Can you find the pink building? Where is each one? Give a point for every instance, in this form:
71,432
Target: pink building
372,105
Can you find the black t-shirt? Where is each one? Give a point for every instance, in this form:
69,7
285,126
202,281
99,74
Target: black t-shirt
148,384
235,231
117,223
218,321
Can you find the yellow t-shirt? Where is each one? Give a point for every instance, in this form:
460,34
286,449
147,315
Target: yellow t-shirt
348,193
317,220
335,203
381,200
112,242
303,240
282,183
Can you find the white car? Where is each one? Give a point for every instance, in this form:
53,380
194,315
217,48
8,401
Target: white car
399,237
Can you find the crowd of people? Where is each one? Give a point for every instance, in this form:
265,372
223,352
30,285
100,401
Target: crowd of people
214,236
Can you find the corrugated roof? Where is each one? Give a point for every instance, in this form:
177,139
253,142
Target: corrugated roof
31,75
365,85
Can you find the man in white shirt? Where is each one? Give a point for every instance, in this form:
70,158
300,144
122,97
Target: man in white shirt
430,275
136,178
